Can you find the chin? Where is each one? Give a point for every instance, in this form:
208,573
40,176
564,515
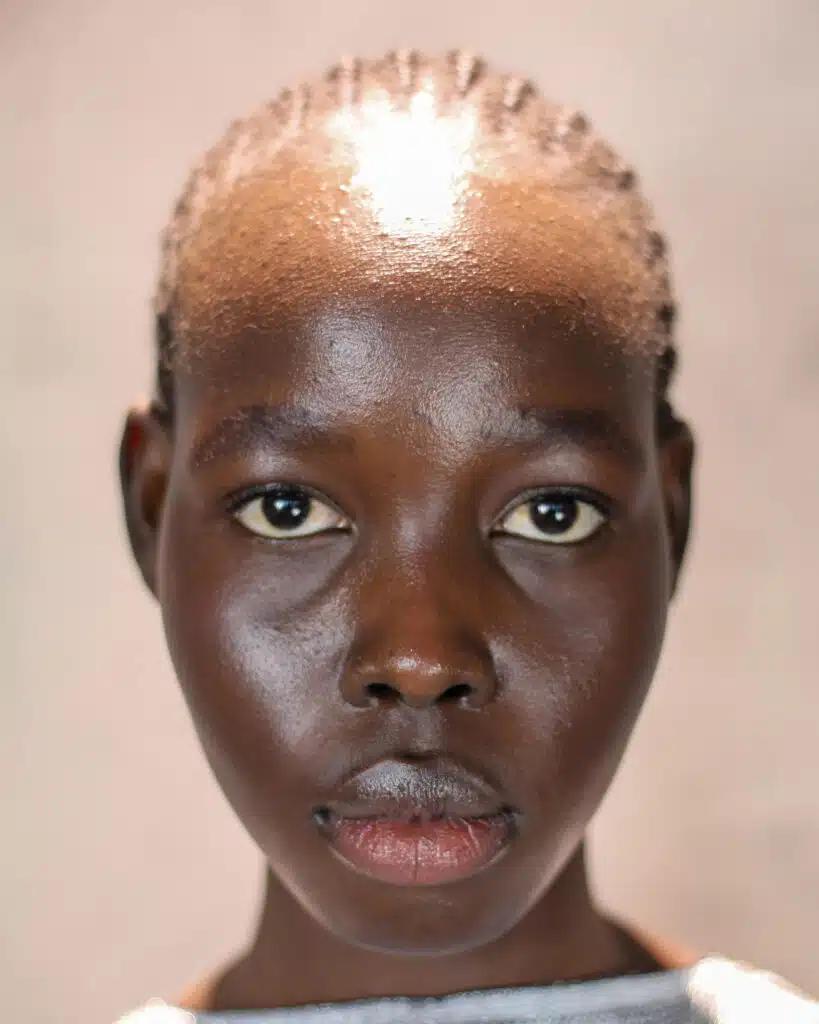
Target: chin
430,921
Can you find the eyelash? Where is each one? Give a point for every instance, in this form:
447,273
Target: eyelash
605,505
238,499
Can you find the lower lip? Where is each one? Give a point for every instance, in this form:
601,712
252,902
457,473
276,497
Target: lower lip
419,853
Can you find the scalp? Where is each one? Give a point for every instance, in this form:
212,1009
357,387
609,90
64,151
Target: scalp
390,170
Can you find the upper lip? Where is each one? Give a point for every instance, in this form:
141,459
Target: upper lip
402,789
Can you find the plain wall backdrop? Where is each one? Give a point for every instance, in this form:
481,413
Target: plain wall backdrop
123,872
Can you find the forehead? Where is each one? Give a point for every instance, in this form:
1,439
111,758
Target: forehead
418,375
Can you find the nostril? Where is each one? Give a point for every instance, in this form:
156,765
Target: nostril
380,693
459,693
426,694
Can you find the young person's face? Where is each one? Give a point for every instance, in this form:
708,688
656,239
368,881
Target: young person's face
412,536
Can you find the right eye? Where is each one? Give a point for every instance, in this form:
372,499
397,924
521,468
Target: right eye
553,518
288,513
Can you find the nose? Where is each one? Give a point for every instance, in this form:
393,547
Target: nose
420,648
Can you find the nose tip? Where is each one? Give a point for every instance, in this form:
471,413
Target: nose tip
418,684
424,646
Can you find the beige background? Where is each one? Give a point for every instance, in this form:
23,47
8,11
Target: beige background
123,873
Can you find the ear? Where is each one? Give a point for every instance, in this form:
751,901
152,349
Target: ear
144,469
677,451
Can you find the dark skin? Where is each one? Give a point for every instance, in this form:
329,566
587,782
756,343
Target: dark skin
418,418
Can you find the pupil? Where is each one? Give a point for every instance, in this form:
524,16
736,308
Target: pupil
286,509
554,515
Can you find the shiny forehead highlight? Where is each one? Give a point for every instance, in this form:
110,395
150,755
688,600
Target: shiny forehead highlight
398,152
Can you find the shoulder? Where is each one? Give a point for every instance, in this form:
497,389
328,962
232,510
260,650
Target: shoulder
732,993
157,1012
193,999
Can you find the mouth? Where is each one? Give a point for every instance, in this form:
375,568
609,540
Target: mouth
417,823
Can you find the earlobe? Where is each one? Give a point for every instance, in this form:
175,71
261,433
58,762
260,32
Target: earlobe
144,466
678,450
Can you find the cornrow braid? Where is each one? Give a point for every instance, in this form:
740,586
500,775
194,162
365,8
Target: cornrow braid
506,108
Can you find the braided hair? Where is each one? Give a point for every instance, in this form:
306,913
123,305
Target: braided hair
506,109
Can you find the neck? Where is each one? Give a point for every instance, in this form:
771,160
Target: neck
294,961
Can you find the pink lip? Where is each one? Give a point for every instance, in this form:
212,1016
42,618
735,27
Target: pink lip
419,852
417,821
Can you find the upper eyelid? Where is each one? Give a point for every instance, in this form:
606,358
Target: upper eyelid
239,499
602,502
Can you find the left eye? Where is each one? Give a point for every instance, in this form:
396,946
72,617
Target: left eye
553,519
288,513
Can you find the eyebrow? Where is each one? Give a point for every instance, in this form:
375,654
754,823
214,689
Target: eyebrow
259,425
298,426
581,428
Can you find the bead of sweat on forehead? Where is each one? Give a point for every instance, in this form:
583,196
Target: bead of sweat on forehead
402,151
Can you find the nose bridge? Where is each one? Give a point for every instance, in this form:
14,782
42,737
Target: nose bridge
420,638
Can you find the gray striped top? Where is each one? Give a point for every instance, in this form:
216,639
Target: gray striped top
714,991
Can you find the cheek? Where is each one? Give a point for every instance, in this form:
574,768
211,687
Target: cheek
258,648
593,637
